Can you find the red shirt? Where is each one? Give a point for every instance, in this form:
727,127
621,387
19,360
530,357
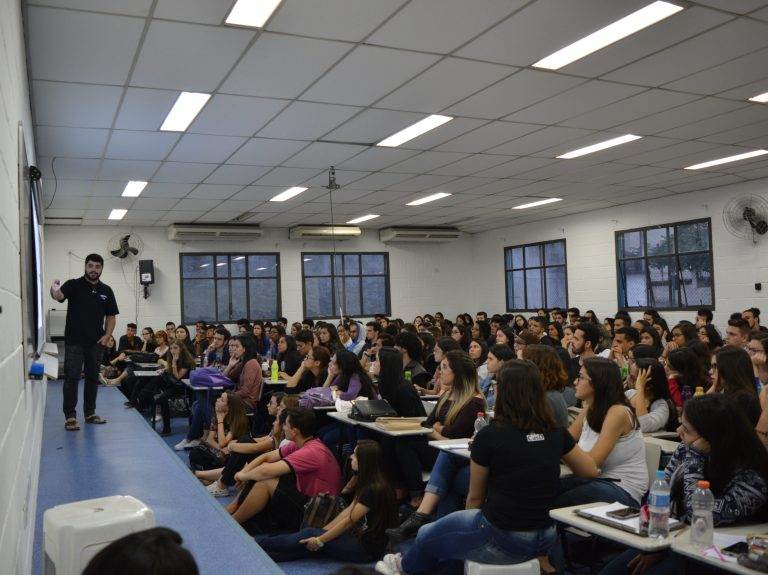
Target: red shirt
315,467
674,392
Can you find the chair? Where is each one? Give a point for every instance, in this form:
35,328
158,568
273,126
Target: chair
528,568
652,459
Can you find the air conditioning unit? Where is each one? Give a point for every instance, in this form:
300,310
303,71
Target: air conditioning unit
194,232
324,232
405,234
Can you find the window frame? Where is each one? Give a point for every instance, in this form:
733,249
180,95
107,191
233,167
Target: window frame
543,267
674,254
333,276
215,280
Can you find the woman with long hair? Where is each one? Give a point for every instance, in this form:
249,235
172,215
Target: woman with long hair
608,430
347,378
231,423
555,332
506,519
519,323
443,346
401,395
733,376
244,369
709,336
312,372
497,355
460,334
478,353
591,317
167,386
147,340
288,357
357,534
650,337
329,337
684,374
481,330
649,397
260,337
553,378
183,337
505,335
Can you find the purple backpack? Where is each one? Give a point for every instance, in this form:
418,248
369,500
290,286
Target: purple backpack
209,377
316,397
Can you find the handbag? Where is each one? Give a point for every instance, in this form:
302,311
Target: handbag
321,510
371,409
209,377
203,457
142,356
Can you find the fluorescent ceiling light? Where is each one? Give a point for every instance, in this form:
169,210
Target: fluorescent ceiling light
728,159
288,194
415,130
622,28
133,189
363,219
186,108
117,214
260,269
204,265
238,258
760,98
537,203
426,199
253,13
218,265
599,146
307,259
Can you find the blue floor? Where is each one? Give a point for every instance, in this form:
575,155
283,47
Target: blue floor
126,457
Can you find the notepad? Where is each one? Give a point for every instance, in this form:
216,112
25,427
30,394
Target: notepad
631,525
456,446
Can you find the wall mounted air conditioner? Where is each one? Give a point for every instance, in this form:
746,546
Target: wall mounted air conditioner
193,232
324,232
402,234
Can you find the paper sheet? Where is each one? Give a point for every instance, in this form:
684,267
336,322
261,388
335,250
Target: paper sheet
720,541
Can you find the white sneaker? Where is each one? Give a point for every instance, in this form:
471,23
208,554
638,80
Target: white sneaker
217,490
186,444
390,565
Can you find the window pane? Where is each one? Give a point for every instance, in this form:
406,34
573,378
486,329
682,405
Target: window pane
317,265
262,266
534,280
517,258
222,266
663,282
352,296
373,264
351,265
338,268
556,288
554,253
532,256
339,287
263,295
194,266
697,280
222,301
198,300
240,302
693,237
632,284
660,241
374,295
317,296
237,266
631,244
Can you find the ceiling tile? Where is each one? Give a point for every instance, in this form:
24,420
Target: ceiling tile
126,7
471,165
68,168
747,90
187,56
127,145
537,141
520,90
323,154
145,109
378,181
199,11
236,175
421,183
217,217
373,125
367,74
691,112
214,192
232,205
235,115
70,142
286,177
441,25
74,46
737,6
205,149
749,115
195,205
157,204
124,170
62,104
266,152
377,159
487,136
740,135
444,133
307,121
516,167
343,178
183,173
731,74
425,162
279,66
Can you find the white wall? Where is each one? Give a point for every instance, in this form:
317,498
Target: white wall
590,247
21,402
422,276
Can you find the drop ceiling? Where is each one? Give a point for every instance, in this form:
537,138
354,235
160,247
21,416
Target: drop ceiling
325,79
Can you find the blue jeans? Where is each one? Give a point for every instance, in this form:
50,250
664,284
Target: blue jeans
469,535
450,481
577,490
346,547
200,420
670,565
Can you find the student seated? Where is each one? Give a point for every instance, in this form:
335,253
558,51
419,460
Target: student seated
400,395
478,353
609,432
507,514
410,346
733,376
443,346
279,483
650,397
288,357
244,369
130,341
357,533
734,463
347,379
231,422
553,378
497,355
311,373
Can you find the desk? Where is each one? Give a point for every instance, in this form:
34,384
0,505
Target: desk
147,365
428,397
324,408
682,545
343,419
566,515
146,373
666,445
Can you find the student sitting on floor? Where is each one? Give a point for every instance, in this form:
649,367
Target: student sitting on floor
734,463
357,533
311,373
278,484
507,514
231,422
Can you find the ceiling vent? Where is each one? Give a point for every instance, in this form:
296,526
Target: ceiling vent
324,232
193,232
63,221
434,235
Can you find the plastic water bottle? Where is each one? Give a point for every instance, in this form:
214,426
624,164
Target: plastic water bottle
702,528
480,422
658,506
275,371
699,391
265,367
408,377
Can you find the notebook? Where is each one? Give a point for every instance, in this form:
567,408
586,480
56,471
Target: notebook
632,525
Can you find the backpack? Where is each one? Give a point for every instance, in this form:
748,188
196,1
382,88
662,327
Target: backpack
209,377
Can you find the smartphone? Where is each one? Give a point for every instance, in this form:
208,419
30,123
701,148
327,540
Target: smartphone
624,513
736,549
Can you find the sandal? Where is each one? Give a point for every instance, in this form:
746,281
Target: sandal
95,419
71,424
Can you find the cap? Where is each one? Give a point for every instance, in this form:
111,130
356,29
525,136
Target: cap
703,485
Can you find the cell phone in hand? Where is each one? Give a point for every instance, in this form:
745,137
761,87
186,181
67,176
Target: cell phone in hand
624,513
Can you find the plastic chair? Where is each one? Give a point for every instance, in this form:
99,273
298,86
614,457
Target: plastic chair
528,568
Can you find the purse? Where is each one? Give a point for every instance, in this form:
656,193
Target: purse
142,356
321,510
370,410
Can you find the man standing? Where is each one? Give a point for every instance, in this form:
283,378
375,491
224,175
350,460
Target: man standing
91,316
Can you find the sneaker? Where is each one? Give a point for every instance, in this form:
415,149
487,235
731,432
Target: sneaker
186,444
409,527
217,490
390,565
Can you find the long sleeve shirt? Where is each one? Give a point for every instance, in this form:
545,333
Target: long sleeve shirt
250,382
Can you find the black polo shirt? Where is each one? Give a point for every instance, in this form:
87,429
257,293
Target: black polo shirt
88,305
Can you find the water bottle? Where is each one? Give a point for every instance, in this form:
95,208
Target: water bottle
658,506
480,422
699,391
408,377
702,503
265,367
275,371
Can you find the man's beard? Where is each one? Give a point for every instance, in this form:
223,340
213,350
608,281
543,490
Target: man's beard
93,275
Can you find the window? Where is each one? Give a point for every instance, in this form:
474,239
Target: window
666,267
227,287
358,284
536,276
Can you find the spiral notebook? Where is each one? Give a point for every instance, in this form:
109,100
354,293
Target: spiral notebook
632,525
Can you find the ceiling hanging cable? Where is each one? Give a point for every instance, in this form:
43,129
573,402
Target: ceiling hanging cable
333,186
